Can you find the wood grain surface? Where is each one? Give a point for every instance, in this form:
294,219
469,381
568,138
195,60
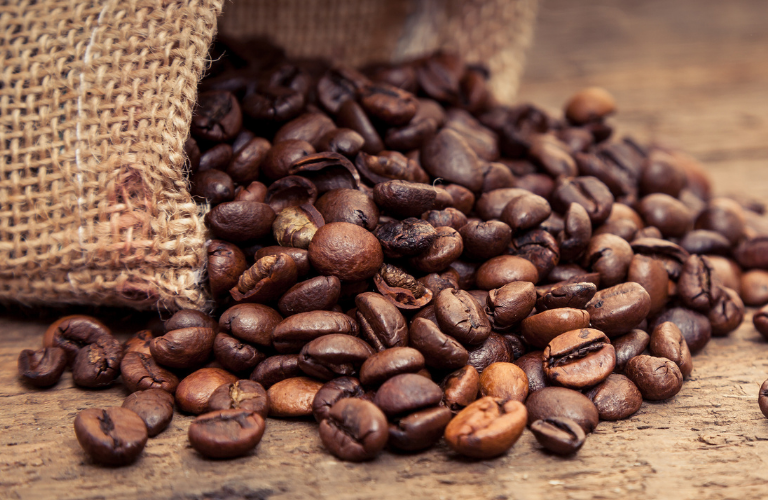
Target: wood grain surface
690,72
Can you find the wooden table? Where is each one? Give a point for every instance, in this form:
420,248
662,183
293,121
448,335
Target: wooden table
693,72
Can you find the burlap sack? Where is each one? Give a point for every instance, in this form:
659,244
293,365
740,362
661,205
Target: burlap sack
96,98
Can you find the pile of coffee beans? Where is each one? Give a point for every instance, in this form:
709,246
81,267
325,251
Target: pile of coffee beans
400,257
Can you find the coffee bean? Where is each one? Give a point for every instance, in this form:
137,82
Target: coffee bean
334,355
98,364
610,256
279,159
449,217
448,156
579,358
319,293
699,286
348,205
407,393
590,104
140,341
504,381
486,428
252,323
183,348
695,327
668,214
672,256
702,241
384,365
532,364
115,436
140,372
461,316
400,288
290,191
460,388
195,389
618,309
216,158
238,221
275,369
275,103
235,355
754,287
226,433
419,430
483,240
616,397
723,216
309,127
444,250
762,399
504,269
667,342
493,350
226,263
292,397
154,407
291,334
652,276
440,351
344,141
42,368
559,435
188,318
540,329
551,402
346,251
656,378
240,395
573,295
510,304
552,155
589,192
214,186
628,346
217,116
334,391
728,271
405,238
491,204
355,430
525,212
538,247
73,332
351,115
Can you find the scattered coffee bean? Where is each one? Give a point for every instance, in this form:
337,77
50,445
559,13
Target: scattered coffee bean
115,436
226,433
42,368
486,428
154,406
559,435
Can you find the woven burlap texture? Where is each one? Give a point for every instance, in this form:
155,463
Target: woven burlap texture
356,32
96,99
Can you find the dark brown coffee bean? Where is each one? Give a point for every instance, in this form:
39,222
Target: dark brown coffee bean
483,240
589,192
559,435
319,293
728,271
355,430
482,140
532,364
189,318
667,342
510,304
297,330
702,241
240,395
609,255
388,103
652,276
723,216
672,256
762,398
486,428
754,287
290,191
538,247
552,155
226,433
344,141
235,355
339,85
292,397
574,295
266,280
462,317
656,378
405,238
420,430
504,269
616,398
540,329
448,156
140,342
73,332
309,127
334,391
381,323
115,436
439,350
384,365
699,286
299,255
590,104
760,320
461,388
346,251
226,263
140,372
662,173
351,115
214,186
551,402
526,212
42,368
98,364
579,358
504,381
217,116
618,309
348,205
388,166
183,348
154,407
252,323
491,204
493,350
216,158
405,199
275,369
327,171
668,214
334,355
407,393
628,346
694,326
195,389
449,217
240,220
576,233
281,157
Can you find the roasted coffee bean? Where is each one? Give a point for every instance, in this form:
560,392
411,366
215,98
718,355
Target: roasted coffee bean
493,350
217,116
73,332
238,221
235,355
273,103
140,342
290,191
440,351
579,358
576,233
448,155
388,103
662,173
723,216
449,217
115,436
436,283
439,76
616,397
405,199
668,214
672,256
295,331
339,85
532,364
727,313
552,155
183,348
319,293
282,156
195,389
504,269
381,323
140,372
327,171
559,435
355,430
762,399
240,395
292,397
486,428
348,205
309,127
344,141
429,116
667,342
214,186
462,317
588,105
618,309
384,365
189,318
333,391
572,273
216,158
609,255
334,355
295,226
275,369
252,323
540,329
526,212
98,364
538,247
461,388
652,276
226,262
699,286
346,251
728,271
589,192
504,381
420,430
400,288
405,238
447,246
407,393
491,204
352,116
154,407
656,378
42,368
628,346
226,433
266,280
552,402
483,240
754,287
510,304
482,140
694,326
573,295
760,320
702,241
192,152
